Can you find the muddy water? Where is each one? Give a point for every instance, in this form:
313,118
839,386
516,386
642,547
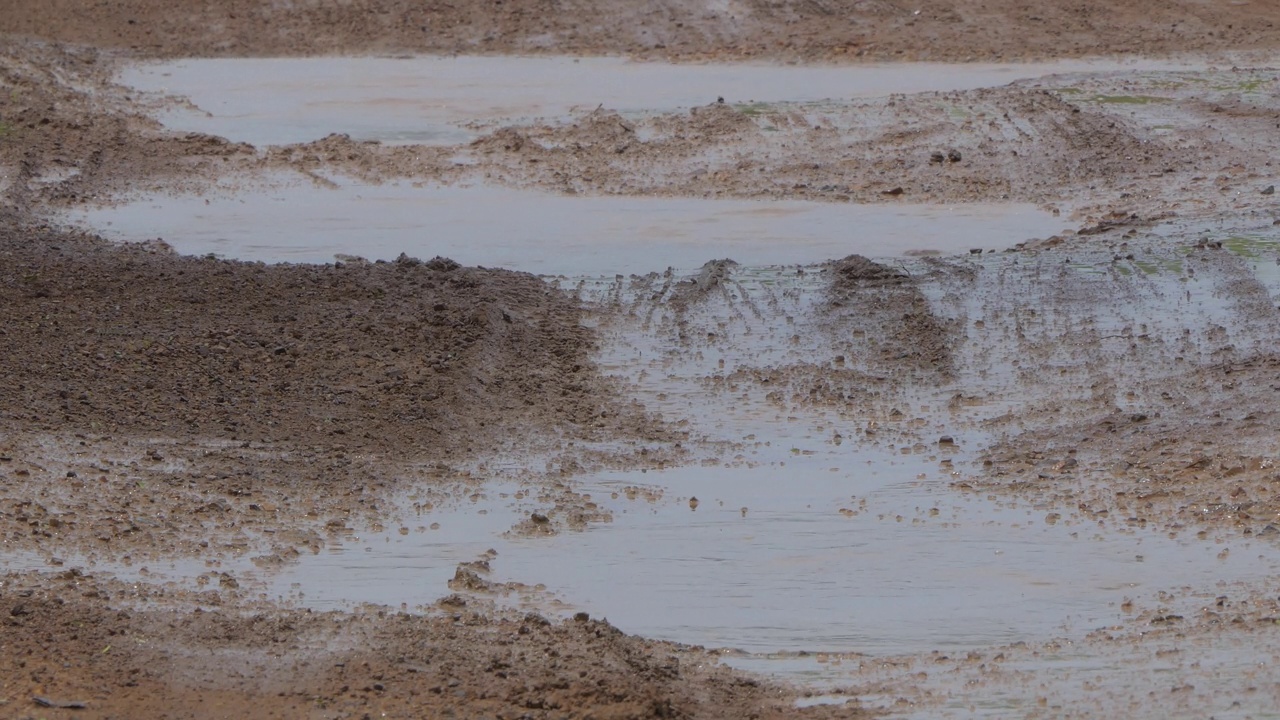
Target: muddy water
810,533
436,100
551,234
908,566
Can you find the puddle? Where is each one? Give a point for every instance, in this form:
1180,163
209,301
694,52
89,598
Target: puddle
809,535
552,234
796,573
869,559
432,99
408,565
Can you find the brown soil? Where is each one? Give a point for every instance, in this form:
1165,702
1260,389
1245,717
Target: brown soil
246,393
1197,460
909,341
833,30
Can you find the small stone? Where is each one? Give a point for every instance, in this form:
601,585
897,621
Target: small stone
1269,190
946,440
693,503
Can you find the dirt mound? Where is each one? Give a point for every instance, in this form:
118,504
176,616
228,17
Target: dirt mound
713,121
601,128
858,270
710,278
869,300
380,355
508,139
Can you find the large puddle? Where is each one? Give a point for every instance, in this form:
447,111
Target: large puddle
552,234
812,538
435,100
866,559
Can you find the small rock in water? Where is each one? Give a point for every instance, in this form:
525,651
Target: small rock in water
1269,190
946,440
693,503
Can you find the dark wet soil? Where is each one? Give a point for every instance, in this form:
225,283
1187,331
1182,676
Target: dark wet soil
826,30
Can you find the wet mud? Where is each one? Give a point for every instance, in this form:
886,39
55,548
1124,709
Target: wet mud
838,469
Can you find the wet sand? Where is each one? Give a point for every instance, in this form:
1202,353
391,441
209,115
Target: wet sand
1016,466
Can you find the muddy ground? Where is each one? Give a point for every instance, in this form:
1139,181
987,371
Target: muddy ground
157,405
833,30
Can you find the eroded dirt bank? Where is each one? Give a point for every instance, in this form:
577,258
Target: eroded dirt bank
69,646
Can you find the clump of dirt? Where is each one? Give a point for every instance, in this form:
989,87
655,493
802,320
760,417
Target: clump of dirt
508,139
881,305
603,152
603,129
710,276
363,159
857,271
711,122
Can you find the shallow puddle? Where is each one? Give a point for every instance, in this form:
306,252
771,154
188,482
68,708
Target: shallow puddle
551,234
433,99
808,534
